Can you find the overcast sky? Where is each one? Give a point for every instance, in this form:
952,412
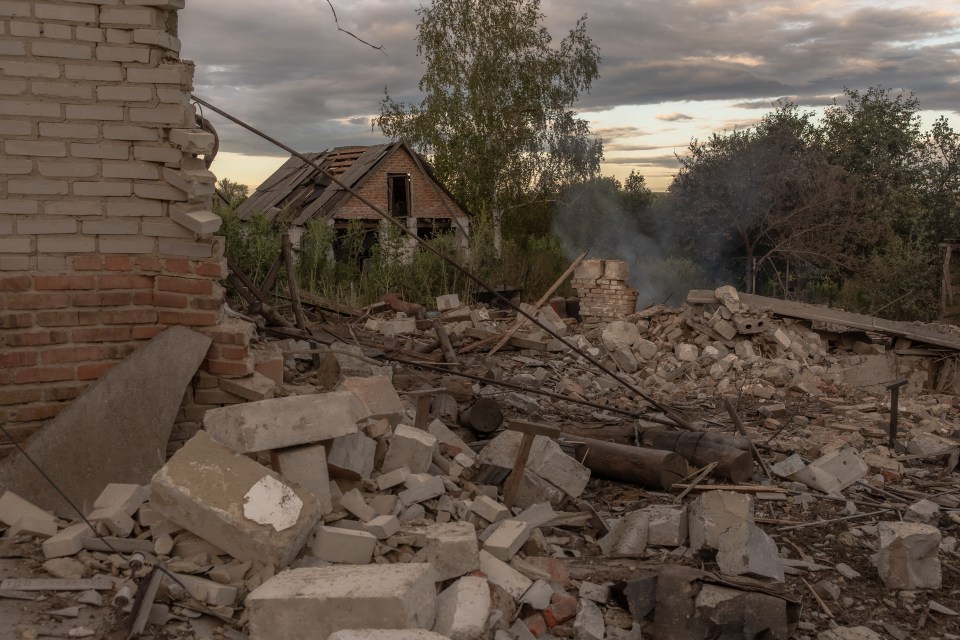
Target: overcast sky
672,70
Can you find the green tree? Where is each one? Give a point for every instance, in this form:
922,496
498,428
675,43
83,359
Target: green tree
765,197
497,118
232,192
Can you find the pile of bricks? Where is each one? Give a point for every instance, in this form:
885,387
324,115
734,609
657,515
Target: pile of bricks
603,291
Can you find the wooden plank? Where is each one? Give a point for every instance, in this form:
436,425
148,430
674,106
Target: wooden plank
815,313
56,584
519,343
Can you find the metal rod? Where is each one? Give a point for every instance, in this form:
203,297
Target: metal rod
678,419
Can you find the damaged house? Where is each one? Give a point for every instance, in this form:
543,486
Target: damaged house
392,176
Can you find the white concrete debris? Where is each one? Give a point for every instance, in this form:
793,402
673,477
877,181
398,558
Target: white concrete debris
909,555
271,502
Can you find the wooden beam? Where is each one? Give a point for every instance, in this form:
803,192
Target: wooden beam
816,313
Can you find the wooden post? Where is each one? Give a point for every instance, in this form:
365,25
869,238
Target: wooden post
292,282
742,430
530,430
424,398
536,307
449,355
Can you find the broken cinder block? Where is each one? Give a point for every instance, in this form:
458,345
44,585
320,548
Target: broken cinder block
202,489
411,448
909,556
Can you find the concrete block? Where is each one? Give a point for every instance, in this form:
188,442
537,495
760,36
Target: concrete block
384,504
307,467
378,396
422,487
285,422
834,471
442,433
213,593
746,550
619,333
398,327
589,623
114,519
923,511
142,393
67,542
538,595
14,508
686,352
594,592
452,549
354,503
537,515
382,526
507,539
713,513
668,526
909,556
726,329
534,490
463,608
489,509
393,478
548,461
346,546
504,576
127,497
411,448
311,603
352,456
448,301
202,488
254,387
627,537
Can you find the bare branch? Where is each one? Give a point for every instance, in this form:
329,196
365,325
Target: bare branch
339,28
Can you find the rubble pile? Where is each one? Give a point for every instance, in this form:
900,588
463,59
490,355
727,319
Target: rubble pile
351,500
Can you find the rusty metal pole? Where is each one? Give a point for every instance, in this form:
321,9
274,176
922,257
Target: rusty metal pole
894,388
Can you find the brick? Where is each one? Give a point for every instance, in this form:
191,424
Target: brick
93,371
125,244
93,112
55,244
68,169
66,13
58,318
93,72
125,16
26,108
15,127
73,208
56,264
57,31
15,166
229,368
104,227
35,148
38,187
14,263
48,49
15,283
129,132
166,155
21,395
15,245
38,301
61,90
13,87
15,9
111,150
128,316
64,282
102,299
117,263
159,191
119,36
167,228
190,249
89,34
15,321
164,74
102,188
31,69
71,354
185,285
18,359
42,374
452,549
24,29
124,93
87,263
170,300
101,334
110,53
157,38
164,114
12,48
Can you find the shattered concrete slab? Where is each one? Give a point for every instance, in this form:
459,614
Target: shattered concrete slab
116,431
909,556
285,422
314,602
203,489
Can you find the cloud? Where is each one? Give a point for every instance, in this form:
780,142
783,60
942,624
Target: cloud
287,70
676,116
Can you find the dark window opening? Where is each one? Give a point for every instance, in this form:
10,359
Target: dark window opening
428,228
398,194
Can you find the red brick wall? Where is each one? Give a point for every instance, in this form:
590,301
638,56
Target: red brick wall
427,199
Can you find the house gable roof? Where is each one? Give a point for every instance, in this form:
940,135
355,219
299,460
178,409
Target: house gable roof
309,193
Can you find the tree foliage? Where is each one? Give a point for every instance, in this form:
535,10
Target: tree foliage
496,118
858,201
